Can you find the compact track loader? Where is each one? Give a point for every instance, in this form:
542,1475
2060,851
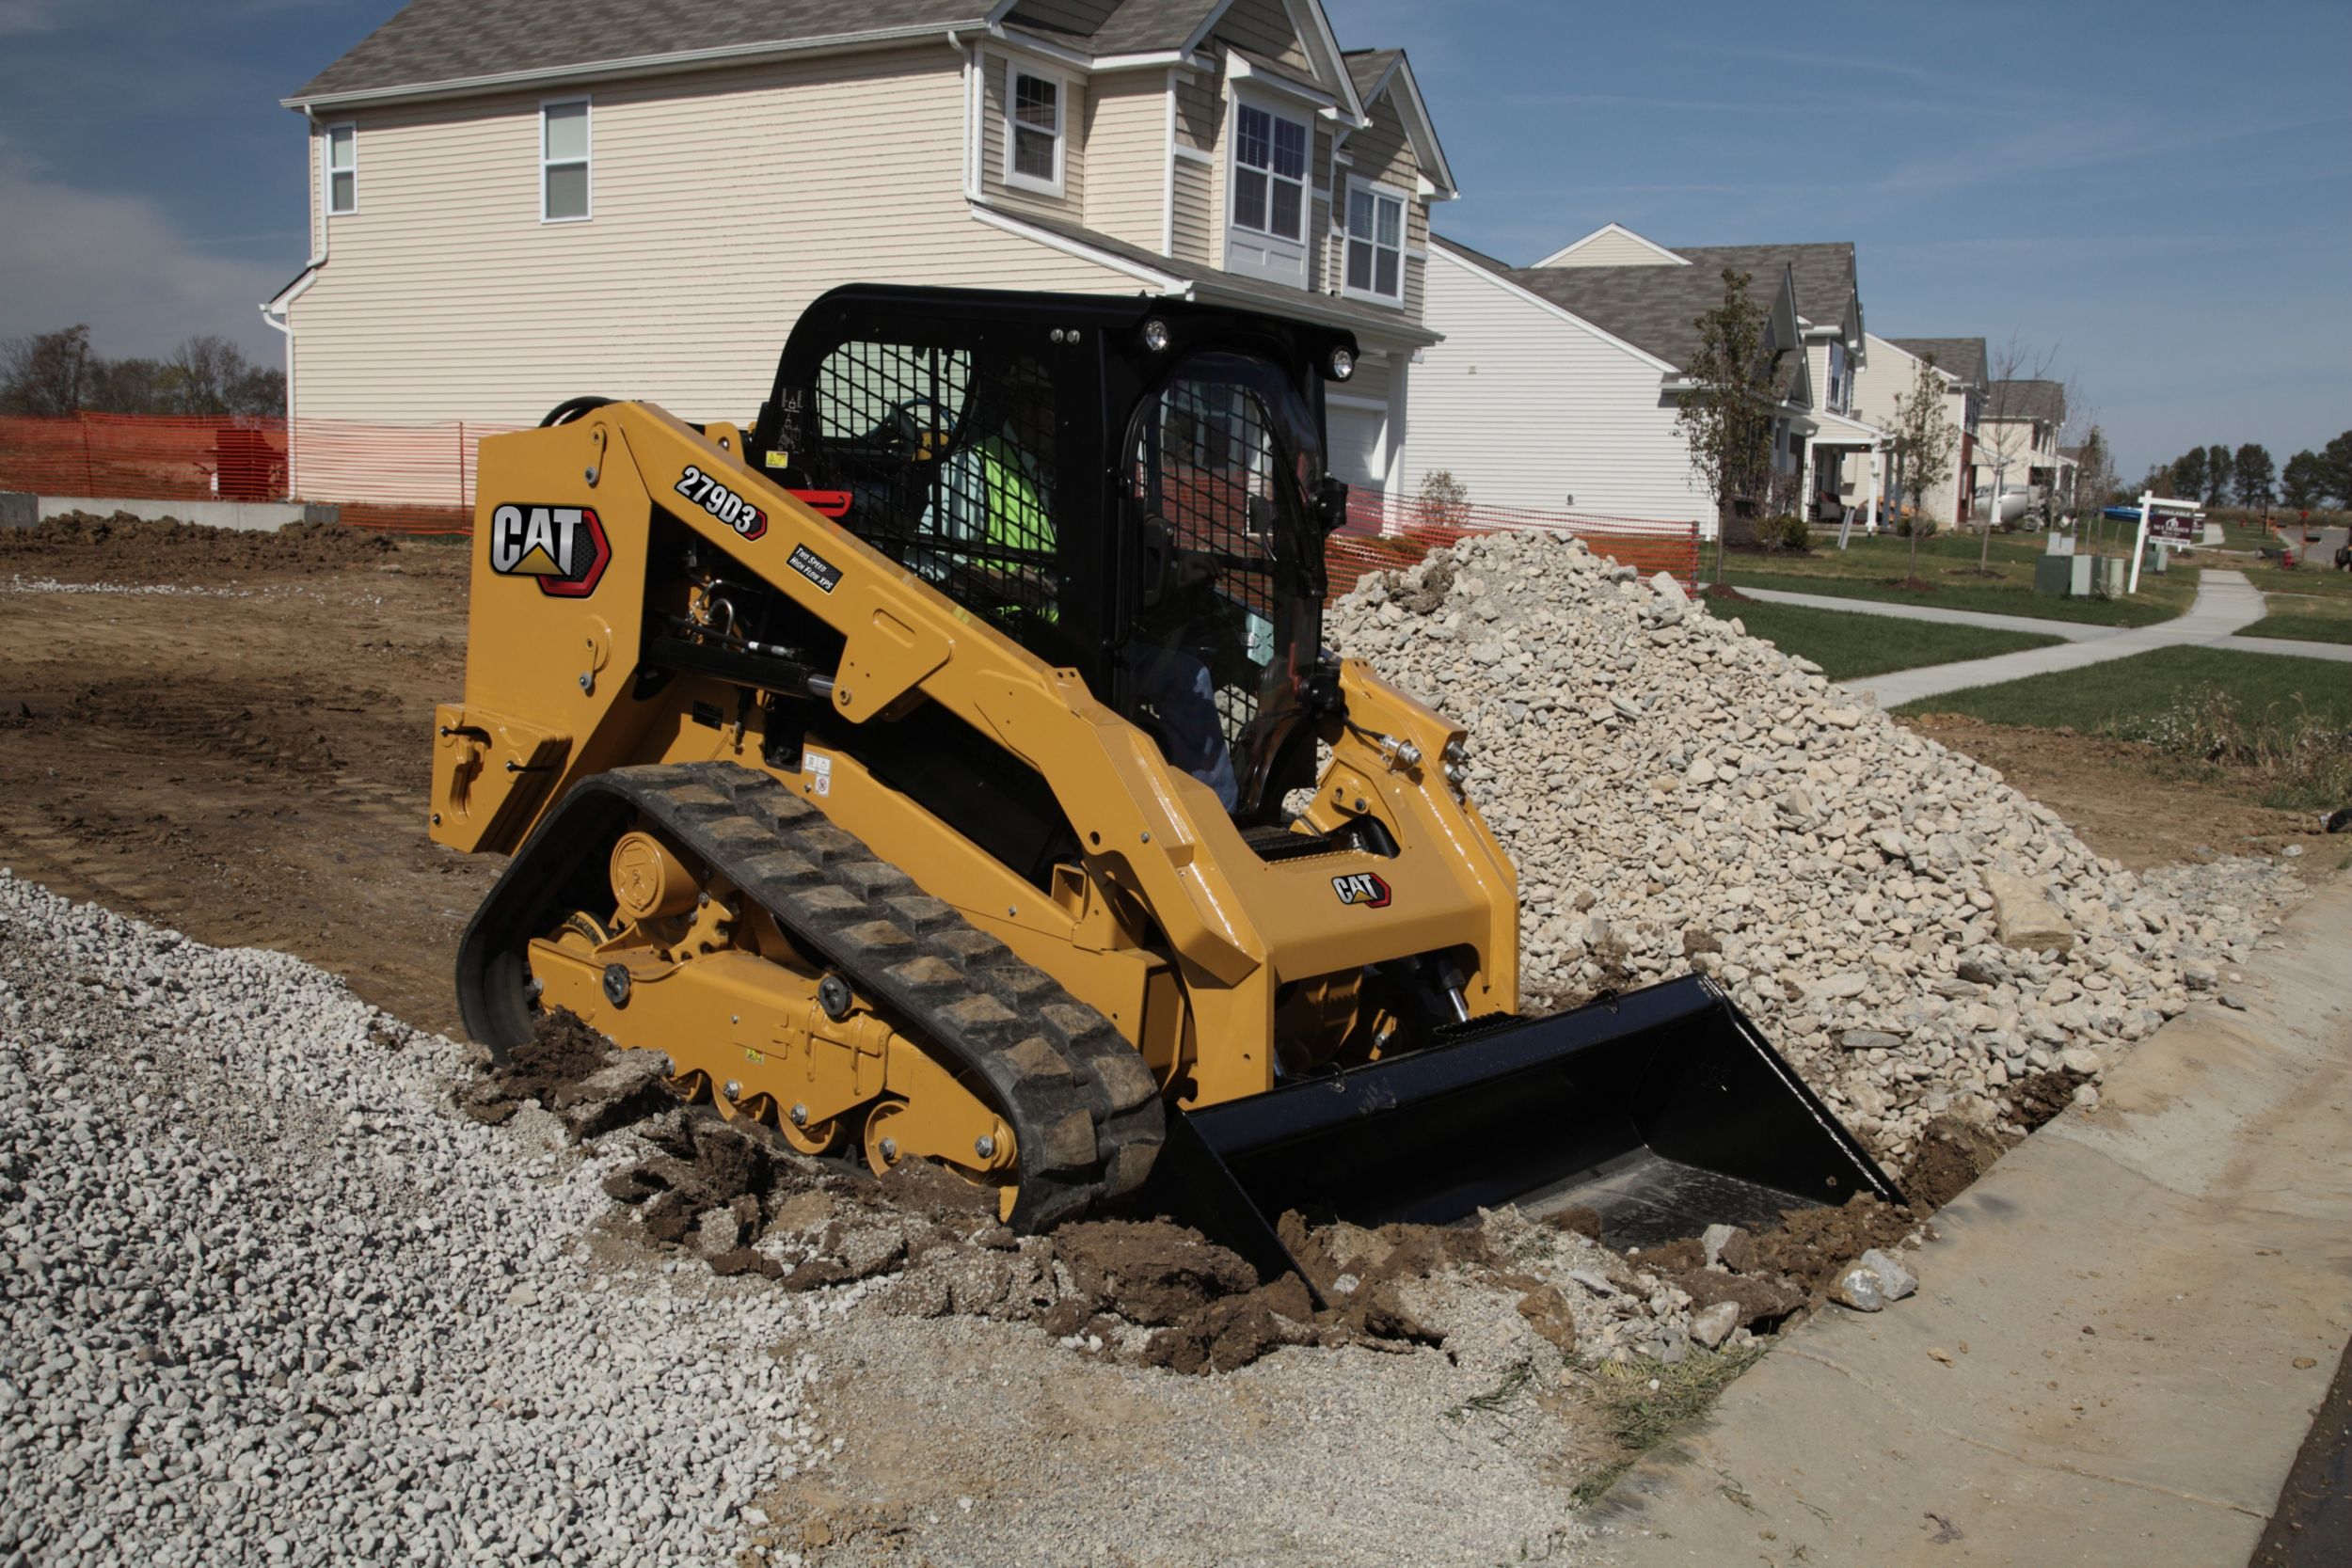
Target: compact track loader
949,766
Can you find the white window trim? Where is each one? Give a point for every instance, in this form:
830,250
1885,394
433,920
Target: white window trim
1234,165
1348,238
327,169
1015,70
587,164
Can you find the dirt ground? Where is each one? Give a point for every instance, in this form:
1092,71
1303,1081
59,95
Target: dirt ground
228,734
2124,799
244,759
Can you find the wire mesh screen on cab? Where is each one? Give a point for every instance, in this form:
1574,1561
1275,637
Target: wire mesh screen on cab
1209,473
949,459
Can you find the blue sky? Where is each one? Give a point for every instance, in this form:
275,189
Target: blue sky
2156,196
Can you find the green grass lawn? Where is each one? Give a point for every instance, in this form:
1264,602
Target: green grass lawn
2289,719
1871,568
2305,617
1846,646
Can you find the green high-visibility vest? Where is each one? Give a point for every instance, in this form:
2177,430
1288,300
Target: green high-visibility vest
1017,518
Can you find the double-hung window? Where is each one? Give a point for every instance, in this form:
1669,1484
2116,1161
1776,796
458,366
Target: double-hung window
342,171
1375,242
1266,231
563,190
1033,130
1269,173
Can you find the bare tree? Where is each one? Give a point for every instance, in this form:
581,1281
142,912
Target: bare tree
1725,416
48,372
2007,429
1924,437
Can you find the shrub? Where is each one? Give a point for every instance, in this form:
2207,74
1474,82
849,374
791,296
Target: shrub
1443,501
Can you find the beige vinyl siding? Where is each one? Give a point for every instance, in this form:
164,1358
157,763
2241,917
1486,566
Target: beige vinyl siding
1264,28
995,79
1196,212
1126,156
1199,109
1382,154
1527,408
1614,250
1890,372
1816,368
1325,182
723,205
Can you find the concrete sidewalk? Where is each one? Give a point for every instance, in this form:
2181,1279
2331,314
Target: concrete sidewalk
2225,602
2074,631
2119,1336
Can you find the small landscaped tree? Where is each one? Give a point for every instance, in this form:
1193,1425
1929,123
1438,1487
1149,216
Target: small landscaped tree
1725,415
2094,477
1924,437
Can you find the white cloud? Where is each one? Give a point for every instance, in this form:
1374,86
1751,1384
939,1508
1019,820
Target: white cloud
125,264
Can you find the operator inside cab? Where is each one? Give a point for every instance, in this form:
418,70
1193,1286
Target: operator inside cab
990,496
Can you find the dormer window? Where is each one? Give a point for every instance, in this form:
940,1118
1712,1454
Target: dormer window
1375,242
1033,130
1267,234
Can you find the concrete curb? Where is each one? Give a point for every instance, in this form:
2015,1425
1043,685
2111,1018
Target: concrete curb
2121,1336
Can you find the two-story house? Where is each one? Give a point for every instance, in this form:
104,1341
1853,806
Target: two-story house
1891,369
514,203
2017,445
1558,385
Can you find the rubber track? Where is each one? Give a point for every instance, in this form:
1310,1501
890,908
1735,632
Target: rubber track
1086,1114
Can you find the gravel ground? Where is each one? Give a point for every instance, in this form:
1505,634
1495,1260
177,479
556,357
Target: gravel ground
265,1298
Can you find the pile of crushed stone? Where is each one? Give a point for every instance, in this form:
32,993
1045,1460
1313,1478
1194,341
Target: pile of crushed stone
1678,794
265,1297
126,545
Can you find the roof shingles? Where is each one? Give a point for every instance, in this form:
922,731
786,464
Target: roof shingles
429,42
1960,356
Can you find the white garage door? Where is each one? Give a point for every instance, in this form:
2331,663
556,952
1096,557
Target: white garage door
1358,443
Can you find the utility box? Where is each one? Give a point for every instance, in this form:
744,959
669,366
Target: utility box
2160,558
2112,579
19,509
2054,575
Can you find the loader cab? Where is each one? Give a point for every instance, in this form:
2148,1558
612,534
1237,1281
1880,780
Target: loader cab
1132,488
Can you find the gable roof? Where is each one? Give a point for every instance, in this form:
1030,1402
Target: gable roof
1377,73
1665,257
1825,273
452,44
1960,357
1654,309
2043,402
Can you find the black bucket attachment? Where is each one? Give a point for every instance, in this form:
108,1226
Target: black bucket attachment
1663,1109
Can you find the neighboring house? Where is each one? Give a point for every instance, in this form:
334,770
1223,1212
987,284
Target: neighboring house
1556,385
514,204
1891,368
2017,440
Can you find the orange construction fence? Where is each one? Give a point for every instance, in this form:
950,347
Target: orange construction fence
420,479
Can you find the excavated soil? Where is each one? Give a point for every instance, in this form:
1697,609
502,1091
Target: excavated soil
2129,802
245,757
90,545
